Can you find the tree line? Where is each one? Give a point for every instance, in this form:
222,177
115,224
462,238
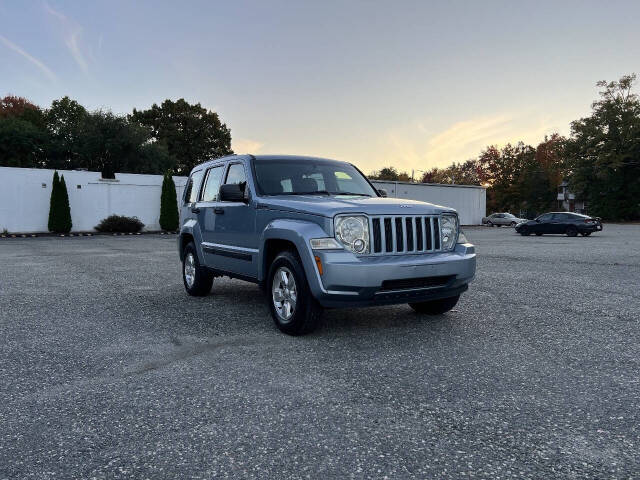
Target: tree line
600,160
175,136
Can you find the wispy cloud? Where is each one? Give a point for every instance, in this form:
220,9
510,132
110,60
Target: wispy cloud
74,48
16,48
53,12
72,37
244,145
411,146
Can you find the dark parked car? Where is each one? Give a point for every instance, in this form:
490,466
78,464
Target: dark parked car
564,223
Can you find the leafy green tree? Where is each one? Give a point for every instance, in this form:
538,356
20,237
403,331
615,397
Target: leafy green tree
110,144
604,153
390,174
168,204
192,134
22,144
65,121
59,209
23,137
466,173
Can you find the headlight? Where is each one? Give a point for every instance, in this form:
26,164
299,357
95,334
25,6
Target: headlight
353,233
448,231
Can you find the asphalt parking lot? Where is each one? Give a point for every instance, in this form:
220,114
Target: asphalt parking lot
109,370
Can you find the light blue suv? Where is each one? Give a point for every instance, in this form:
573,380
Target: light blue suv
314,233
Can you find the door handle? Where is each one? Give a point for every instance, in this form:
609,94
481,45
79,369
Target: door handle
195,210
218,211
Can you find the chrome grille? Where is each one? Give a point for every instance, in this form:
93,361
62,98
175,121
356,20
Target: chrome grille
397,235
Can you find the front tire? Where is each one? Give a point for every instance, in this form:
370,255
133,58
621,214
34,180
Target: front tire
489,224
513,224
524,231
294,309
435,307
197,279
586,234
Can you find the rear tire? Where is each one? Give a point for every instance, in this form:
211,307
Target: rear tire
294,309
435,307
572,231
197,279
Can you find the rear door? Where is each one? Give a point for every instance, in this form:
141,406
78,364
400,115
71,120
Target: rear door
235,228
207,211
559,223
544,224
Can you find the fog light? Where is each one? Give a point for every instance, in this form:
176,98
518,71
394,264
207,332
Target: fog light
358,245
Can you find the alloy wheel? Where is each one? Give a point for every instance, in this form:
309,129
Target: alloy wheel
189,269
284,293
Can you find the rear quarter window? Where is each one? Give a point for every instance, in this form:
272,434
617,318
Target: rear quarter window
193,187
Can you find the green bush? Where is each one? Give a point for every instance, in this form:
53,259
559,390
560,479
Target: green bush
59,210
168,204
120,224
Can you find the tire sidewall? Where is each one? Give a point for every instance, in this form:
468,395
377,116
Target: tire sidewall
296,323
202,282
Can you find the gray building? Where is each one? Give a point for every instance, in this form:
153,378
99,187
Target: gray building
469,200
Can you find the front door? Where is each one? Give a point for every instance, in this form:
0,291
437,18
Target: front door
207,211
235,228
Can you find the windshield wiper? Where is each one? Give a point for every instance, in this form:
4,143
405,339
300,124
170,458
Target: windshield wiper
315,192
351,193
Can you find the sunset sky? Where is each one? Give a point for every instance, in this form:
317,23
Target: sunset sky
410,84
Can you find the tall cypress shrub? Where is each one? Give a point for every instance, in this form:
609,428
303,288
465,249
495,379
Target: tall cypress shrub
168,204
53,203
65,208
59,210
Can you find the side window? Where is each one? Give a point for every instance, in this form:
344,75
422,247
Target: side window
212,184
545,218
236,174
193,187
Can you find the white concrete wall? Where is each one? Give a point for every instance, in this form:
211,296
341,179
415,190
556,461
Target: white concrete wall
25,195
469,201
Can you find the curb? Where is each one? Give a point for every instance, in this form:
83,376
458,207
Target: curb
79,234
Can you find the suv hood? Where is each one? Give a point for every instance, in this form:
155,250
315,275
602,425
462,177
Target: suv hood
334,205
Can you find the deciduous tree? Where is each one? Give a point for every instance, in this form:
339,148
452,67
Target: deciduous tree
191,133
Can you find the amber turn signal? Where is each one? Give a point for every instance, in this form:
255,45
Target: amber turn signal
319,264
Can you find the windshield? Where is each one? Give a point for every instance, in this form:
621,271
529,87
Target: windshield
310,177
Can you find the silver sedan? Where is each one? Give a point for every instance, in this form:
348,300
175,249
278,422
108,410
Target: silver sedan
500,219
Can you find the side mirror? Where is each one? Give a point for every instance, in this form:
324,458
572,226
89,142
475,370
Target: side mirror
382,192
233,192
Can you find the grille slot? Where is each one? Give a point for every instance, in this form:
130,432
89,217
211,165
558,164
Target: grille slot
377,236
388,235
436,238
427,282
397,235
409,230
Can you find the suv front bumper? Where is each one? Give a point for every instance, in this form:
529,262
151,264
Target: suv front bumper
350,280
